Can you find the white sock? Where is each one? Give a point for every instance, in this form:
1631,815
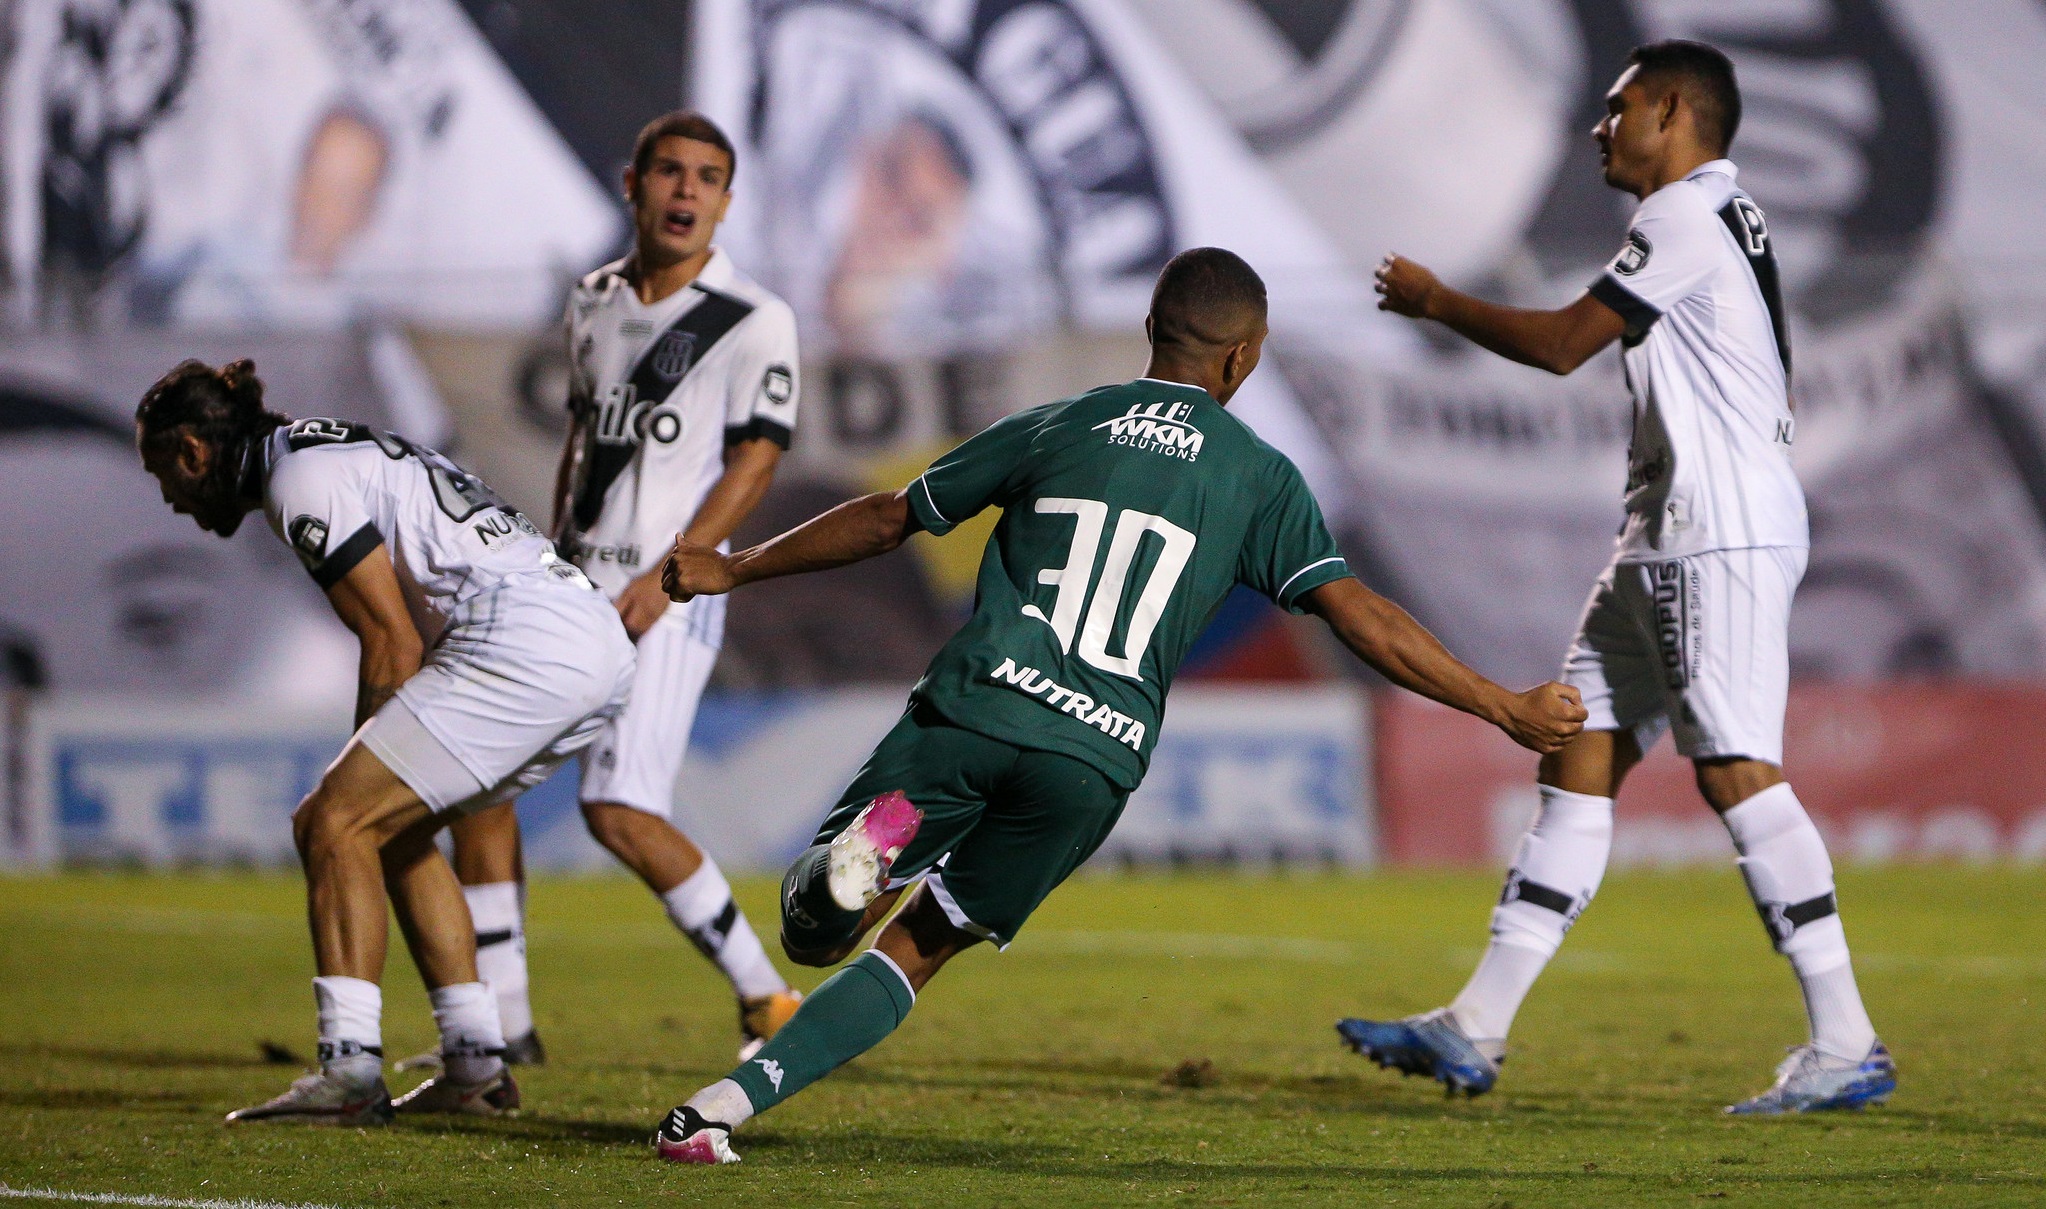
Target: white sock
724,1102
703,908
1488,1002
1561,861
499,915
1790,877
351,1012
471,1040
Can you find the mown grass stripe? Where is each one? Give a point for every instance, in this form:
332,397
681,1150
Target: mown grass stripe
129,1198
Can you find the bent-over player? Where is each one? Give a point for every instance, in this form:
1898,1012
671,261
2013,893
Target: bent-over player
1129,513
1689,626
683,399
486,662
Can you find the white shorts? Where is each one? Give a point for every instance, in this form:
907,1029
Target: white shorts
1700,645
637,756
524,677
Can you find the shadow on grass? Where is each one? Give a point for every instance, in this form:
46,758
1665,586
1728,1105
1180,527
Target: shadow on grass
94,1097
135,1059
530,1127
1336,1093
1065,1161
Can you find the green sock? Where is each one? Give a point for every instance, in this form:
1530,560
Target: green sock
839,1021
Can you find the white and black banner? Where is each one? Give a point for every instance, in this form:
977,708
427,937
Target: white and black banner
280,163
939,175
966,201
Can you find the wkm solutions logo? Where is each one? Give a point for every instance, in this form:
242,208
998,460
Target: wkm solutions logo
1157,427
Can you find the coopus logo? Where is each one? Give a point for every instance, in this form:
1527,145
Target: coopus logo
1157,427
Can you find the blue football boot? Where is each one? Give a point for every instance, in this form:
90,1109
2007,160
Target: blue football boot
1431,1044
1813,1081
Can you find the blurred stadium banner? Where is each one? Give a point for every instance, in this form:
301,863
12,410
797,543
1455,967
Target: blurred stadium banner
384,202
985,174
1241,776
1902,771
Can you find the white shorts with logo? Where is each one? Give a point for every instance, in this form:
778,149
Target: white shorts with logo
524,676
1699,645
637,756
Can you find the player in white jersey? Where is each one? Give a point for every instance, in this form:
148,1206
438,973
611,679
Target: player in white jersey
683,400
486,662
1689,627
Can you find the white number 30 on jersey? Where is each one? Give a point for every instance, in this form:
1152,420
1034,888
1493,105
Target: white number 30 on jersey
1073,579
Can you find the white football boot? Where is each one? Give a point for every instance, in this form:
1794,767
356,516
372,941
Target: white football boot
322,1099
1810,1080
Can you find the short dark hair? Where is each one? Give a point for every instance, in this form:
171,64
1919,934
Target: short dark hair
1206,297
1705,78
684,124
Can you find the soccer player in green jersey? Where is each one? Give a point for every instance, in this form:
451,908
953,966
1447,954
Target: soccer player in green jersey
1129,513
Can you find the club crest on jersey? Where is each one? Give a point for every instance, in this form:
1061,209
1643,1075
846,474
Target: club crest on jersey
1156,427
1634,256
308,539
778,384
674,354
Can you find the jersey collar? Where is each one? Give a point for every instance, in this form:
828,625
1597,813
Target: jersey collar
258,458
717,272
1719,165
1182,385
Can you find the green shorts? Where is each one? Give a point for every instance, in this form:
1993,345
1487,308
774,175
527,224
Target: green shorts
1003,824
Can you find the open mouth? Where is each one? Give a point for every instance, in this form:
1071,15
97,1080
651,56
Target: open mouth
678,222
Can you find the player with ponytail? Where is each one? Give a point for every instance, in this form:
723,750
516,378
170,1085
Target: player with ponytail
205,426
486,661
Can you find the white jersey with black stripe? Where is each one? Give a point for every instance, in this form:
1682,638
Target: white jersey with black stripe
336,490
1707,360
662,390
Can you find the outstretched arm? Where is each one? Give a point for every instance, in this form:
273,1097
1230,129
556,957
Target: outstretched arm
852,532
749,468
1404,652
1557,341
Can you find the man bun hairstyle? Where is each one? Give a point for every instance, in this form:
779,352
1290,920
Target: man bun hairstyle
222,407
1704,76
1206,298
685,124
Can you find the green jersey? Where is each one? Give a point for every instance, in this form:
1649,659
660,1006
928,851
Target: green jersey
1129,513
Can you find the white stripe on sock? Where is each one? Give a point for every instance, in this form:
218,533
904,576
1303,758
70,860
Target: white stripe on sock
890,963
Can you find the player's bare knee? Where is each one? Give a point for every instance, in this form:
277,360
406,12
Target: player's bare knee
1593,763
323,831
922,938
314,825
609,824
1726,783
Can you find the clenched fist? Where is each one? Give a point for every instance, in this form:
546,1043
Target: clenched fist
1404,287
693,570
1545,717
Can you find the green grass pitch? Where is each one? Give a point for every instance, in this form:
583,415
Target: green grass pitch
131,1009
